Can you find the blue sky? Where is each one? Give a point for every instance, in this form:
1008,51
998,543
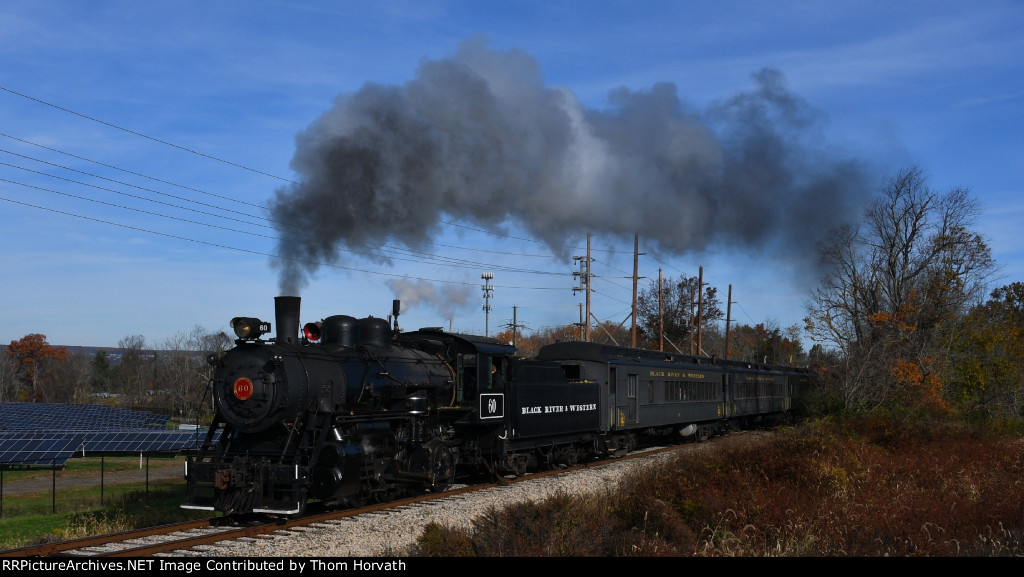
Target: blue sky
150,151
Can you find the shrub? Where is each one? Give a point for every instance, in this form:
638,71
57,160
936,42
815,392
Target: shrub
864,486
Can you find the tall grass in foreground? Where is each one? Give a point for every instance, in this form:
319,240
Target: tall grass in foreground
864,487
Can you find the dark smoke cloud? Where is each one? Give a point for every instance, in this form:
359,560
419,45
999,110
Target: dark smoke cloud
479,138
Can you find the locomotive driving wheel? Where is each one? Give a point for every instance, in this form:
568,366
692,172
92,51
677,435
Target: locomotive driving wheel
572,455
440,466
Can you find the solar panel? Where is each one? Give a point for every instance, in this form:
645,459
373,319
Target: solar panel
36,416
136,441
38,448
51,433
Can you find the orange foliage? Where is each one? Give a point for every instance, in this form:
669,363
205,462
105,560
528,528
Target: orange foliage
504,336
27,352
918,377
882,319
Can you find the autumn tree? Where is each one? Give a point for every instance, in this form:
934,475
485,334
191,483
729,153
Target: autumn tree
611,333
766,343
896,286
30,356
986,369
529,342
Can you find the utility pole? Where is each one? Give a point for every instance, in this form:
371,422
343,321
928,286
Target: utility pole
700,309
690,319
636,264
514,311
728,317
488,288
584,275
661,316
515,325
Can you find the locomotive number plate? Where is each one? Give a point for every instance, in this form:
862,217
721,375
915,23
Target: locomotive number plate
492,406
243,389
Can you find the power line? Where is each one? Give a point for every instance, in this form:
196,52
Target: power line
279,223
139,210
125,170
137,197
184,148
434,258
427,257
249,251
141,135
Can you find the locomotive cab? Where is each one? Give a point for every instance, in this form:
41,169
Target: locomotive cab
481,367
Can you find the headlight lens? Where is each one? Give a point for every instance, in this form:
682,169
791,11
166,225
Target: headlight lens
249,328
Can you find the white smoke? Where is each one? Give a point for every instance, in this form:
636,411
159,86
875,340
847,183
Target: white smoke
420,293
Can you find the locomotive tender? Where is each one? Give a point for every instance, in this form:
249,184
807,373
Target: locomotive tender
353,411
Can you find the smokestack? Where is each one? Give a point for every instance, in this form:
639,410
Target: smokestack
286,310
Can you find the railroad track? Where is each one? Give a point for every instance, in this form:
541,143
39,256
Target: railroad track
186,535
192,536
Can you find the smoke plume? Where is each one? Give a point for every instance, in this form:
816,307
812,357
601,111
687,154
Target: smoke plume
479,138
446,300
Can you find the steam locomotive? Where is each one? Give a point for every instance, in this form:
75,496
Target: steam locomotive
347,411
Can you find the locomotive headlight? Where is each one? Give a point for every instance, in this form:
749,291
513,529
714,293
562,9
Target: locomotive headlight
312,330
248,328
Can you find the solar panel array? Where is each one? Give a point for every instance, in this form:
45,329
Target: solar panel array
51,433
125,442
56,416
37,448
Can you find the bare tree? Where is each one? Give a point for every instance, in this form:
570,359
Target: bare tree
8,378
183,372
133,376
896,286
68,378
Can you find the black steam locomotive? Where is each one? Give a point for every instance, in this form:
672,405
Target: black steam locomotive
353,411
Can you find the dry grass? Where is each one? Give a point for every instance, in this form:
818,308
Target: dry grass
861,488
